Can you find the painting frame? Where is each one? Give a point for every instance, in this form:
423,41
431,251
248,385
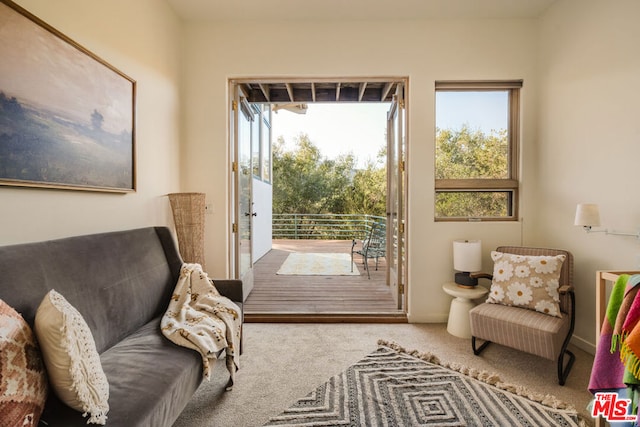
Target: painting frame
67,117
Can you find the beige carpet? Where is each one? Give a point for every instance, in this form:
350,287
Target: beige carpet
318,264
283,362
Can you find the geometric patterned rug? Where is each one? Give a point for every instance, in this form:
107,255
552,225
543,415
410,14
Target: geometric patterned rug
393,387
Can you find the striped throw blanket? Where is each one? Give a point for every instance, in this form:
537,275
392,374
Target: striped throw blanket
616,366
608,368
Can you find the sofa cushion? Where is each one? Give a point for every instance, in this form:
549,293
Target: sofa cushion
150,382
162,376
73,364
529,330
23,380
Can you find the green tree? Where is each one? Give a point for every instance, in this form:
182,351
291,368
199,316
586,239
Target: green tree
369,188
306,182
471,154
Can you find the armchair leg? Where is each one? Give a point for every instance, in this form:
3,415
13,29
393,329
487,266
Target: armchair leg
478,350
563,371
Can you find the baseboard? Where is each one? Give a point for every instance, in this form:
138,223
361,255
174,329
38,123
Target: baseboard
583,345
325,318
430,318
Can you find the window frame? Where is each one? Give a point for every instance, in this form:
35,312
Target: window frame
511,184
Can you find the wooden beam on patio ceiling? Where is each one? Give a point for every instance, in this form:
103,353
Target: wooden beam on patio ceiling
245,90
265,91
319,91
290,91
386,90
363,87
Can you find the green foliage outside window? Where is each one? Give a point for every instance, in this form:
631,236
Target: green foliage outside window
306,182
472,154
472,204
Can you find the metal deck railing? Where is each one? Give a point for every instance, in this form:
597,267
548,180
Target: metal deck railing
323,226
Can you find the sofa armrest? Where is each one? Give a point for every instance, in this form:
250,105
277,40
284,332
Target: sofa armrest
230,288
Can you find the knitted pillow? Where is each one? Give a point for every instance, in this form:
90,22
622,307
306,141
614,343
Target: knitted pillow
527,281
23,380
71,358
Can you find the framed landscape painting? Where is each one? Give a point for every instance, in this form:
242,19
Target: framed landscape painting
67,117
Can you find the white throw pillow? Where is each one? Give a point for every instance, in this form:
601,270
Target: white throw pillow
70,355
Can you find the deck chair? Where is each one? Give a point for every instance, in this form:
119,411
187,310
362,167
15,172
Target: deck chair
373,247
526,329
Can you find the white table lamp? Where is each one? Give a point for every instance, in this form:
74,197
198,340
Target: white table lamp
467,258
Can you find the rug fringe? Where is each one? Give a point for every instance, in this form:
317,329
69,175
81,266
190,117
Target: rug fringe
488,378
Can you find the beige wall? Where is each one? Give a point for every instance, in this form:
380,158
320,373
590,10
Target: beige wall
579,63
424,51
142,39
589,142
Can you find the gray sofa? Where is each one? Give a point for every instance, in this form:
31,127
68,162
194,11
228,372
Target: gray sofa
121,283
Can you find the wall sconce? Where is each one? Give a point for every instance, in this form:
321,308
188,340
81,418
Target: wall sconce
588,216
467,258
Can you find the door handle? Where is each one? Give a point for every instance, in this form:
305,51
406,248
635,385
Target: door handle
252,214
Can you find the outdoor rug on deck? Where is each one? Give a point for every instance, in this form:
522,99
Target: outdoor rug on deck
318,264
392,387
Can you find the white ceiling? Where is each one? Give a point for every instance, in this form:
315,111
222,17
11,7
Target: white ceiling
348,10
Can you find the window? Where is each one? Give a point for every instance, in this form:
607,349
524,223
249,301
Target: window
476,164
261,142
255,140
265,144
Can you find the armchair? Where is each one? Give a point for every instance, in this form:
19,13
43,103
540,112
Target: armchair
529,330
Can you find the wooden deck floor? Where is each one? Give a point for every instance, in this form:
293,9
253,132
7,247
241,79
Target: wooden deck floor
318,298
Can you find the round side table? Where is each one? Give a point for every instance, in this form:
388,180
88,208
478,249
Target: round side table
458,324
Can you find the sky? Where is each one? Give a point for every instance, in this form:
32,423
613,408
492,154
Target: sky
337,128
484,110
360,128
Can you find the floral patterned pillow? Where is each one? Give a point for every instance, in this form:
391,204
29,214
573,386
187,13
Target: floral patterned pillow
527,281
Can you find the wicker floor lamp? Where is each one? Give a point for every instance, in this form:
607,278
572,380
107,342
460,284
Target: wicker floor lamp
188,216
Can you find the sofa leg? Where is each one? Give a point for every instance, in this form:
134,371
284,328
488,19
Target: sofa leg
478,350
563,371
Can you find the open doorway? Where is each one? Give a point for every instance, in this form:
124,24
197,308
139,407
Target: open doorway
294,230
